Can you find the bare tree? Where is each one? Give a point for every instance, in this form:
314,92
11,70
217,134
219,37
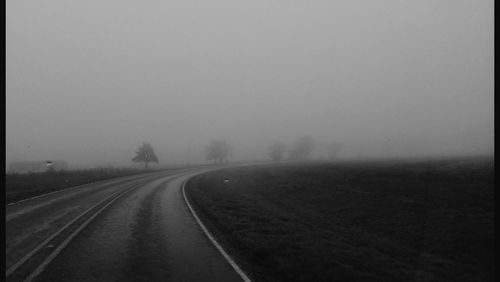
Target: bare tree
334,149
277,151
145,154
218,151
302,148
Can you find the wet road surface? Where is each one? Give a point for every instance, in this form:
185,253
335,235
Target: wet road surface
146,235
29,222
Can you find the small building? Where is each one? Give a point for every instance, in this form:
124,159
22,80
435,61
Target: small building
36,166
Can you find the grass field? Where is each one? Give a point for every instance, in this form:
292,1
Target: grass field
23,186
376,221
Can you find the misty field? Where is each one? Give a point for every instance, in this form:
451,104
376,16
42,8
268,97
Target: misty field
377,221
23,186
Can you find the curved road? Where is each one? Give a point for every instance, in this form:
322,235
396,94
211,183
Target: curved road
147,234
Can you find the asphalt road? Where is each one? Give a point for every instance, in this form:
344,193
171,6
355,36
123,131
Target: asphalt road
147,234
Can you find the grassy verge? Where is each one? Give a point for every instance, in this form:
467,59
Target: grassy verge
392,221
23,186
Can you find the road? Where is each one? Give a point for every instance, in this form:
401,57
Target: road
135,229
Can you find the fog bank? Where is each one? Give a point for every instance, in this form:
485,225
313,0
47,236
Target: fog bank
89,81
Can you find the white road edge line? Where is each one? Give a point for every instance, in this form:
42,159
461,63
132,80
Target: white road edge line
212,239
30,254
13,268
53,192
61,246
71,188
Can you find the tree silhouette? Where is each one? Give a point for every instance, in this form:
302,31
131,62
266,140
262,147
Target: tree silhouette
218,151
302,148
276,151
334,149
145,154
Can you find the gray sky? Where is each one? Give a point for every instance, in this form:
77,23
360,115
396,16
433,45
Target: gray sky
89,81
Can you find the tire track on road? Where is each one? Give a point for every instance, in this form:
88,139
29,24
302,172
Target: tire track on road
147,252
104,251
34,263
147,235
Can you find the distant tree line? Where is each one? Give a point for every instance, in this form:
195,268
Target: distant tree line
219,151
301,149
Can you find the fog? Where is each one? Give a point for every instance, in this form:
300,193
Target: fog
88,81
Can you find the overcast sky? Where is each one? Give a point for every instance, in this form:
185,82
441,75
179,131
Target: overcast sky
89,81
